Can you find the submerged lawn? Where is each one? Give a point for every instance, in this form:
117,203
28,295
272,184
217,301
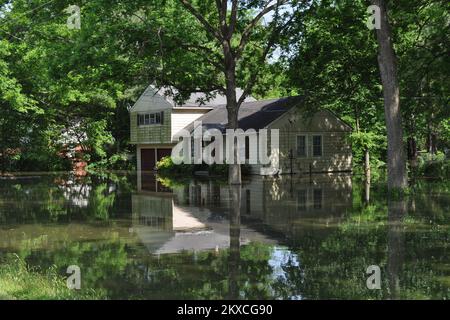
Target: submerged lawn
18,281
292,239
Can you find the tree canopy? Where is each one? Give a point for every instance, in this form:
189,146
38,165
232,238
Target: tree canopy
55,80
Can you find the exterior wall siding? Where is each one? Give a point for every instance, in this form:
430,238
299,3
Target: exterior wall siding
336,149
181,119
336,152
156,133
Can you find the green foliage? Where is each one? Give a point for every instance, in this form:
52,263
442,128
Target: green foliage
332,60
52,78
97,137
166,167
118,161
434,166
374,143
20,281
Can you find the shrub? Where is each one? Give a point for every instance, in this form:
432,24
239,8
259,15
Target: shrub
434,166
166,167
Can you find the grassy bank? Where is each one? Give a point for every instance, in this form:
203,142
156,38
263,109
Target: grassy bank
20,282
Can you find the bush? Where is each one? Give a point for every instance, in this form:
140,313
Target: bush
434,166
166,167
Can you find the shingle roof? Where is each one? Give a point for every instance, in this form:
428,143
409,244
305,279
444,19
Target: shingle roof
252,115
200,99
197,99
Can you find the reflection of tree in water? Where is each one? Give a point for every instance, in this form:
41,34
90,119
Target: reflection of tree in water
49,199
396,244
205,275
411,254
102,264
235,245
26,200
411,247
240,272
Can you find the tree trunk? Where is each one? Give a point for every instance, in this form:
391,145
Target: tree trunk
367,176
396,162
3,162
367,192
234,170
431,143
412,154
367,165
412,149
234,257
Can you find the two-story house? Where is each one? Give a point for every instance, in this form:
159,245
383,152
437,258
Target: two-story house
309,142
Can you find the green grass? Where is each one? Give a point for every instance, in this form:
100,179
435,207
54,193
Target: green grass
20,282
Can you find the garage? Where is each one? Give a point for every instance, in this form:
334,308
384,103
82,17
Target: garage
163,153
149,157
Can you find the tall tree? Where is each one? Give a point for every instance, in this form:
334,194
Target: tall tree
332,61
75,79
232,30
387,61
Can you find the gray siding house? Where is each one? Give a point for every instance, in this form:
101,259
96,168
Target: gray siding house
309,142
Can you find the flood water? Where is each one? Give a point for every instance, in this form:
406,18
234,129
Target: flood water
285,238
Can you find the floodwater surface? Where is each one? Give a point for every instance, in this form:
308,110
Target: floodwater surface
139,237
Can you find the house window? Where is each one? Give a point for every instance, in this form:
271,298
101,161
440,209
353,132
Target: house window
301,200
317,199
150,118
317,146
140,119
301,146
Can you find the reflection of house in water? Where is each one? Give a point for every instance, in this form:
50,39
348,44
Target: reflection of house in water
169,221
195,216
293,206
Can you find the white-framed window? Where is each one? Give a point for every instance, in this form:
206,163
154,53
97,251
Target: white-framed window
317,145
302,146
145,119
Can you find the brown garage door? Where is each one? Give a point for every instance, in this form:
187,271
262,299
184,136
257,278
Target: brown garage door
148,159
164,153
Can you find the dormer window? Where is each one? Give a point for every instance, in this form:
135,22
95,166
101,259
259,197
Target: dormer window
146,119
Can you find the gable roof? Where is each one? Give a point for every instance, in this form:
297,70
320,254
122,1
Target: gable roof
252,115
165,96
